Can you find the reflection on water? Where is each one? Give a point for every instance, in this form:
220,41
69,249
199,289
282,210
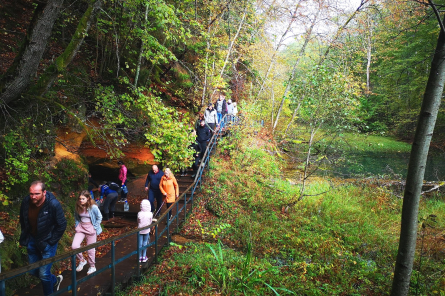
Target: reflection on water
375,164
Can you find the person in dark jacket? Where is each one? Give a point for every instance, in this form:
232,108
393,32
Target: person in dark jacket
110,200
202,137
153,178
197,149
43,223
198,121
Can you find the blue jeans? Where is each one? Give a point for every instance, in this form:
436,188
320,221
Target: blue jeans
123,195
44,273
220,121
143,241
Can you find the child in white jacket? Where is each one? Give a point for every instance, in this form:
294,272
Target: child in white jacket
145,218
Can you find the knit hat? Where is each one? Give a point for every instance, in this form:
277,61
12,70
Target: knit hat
230,101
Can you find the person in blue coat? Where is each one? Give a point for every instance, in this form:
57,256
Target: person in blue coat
110,200
43,223
154,178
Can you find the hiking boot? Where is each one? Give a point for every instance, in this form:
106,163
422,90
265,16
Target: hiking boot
81,265
59,279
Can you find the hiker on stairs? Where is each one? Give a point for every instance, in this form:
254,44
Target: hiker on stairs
87,218
145,218
154,192
169,188
203,135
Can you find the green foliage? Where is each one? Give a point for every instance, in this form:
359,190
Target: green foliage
25,149
327,96
213,232
141,111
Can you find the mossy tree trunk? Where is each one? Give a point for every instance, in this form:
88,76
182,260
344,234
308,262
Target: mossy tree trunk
47,78
32,54
416,171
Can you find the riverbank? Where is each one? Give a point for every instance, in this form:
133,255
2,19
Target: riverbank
340,240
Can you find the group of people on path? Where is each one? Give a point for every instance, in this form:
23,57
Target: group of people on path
213,118
43,221
214,114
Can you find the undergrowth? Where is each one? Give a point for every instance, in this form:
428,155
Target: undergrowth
341,239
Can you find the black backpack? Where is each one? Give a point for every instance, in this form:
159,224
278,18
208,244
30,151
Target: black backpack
114,186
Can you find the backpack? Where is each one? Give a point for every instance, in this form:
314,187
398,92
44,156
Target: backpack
114,186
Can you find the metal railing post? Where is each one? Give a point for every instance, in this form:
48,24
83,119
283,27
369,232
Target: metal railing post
177,217
168,229
113,267
73,275
2,283
185,207
138,270
156,244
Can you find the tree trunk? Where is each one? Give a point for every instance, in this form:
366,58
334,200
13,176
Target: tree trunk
416,170
368,57
294,69
141,51
34,51
351,17
60,64
233,42
272,60
293,115
204,89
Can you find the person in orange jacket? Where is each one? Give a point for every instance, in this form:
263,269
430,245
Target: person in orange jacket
169,188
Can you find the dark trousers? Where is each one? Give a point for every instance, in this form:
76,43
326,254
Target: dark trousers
152,195
203,147
110,202
169,212
212,127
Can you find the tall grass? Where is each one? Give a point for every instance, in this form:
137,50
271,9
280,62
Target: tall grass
341,239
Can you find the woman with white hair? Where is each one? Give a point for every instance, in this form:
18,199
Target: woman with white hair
169,188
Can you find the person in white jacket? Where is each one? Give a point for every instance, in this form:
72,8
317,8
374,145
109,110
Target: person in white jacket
145,218
211,117
230,110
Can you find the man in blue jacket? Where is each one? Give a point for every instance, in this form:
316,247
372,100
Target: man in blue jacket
108,190
154,178
43,223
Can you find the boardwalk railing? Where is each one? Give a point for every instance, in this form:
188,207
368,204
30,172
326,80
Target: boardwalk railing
186,196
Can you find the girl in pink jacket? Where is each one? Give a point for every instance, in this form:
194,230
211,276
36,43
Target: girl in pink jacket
145,218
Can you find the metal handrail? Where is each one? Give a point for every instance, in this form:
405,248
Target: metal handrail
72,254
